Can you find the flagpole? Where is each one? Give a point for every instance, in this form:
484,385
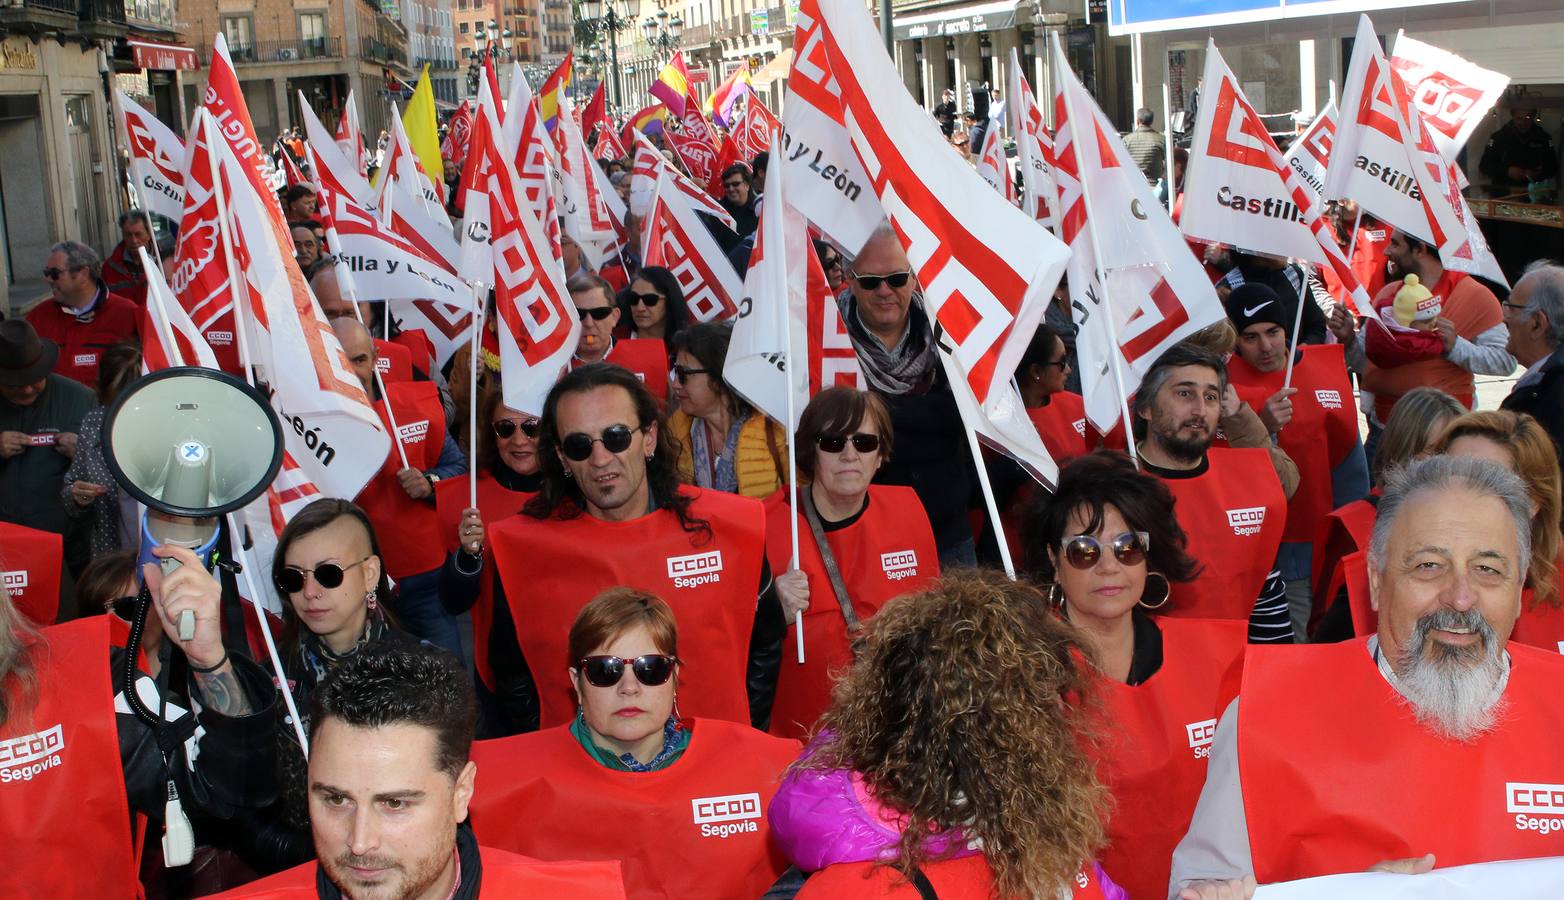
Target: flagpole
481,296
1116,353
953,372
1167,139
792,491
1297,323
234,534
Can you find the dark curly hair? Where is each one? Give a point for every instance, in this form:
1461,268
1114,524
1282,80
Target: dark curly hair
967,708
561,496
404,684
1092,482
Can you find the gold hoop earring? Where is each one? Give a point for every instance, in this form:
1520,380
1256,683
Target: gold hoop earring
1166,591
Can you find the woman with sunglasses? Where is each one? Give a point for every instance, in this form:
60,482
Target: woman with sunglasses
680,802
653,306
1107,545
328,573
508,476
859,545
831,262
724,443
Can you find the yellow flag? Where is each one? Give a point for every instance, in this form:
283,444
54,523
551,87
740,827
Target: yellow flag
423,127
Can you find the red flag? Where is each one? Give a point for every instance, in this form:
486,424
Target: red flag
168,337
649,166
595,113
458,134
608,145
753,134
198,270
727,156
291,170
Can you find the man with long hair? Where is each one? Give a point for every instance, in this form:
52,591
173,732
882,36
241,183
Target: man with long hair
610,511
1430,742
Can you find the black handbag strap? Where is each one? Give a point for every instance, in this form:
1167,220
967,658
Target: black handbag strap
838,587
924,887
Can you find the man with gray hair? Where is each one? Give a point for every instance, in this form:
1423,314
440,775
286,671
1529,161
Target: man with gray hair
1147,146
1431,742
1535,316
81,315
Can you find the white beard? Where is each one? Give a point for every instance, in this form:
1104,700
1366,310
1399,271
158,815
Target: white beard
1456,693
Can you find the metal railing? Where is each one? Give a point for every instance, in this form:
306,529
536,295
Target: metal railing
101,11
258,52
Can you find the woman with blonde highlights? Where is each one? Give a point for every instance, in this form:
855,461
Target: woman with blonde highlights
952,757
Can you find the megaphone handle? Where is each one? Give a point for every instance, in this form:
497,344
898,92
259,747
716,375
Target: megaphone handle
187,620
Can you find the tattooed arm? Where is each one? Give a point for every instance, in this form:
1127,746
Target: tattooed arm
220,692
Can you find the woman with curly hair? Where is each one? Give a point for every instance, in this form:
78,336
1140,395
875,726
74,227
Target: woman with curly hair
1107,546
953,757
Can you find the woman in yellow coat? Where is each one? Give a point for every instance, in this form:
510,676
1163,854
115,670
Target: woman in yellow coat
724,443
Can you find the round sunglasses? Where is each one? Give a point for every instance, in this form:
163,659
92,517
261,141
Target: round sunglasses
651,670
1083,551
872,282
646,300
836,443
291,579
577,446
504,428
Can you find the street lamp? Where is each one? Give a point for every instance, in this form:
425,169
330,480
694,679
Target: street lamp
663,33
492,44
604,15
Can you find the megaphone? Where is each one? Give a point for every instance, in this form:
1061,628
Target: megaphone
192,444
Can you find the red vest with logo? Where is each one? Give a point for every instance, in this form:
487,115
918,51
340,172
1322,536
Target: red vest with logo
408,530
114,320
1323,430
1063,427
1345,531
30,563
1153,758
697,828
1340,776
888,552
495,502
966,878
1234,514
646,357
550,568
64,818
420,349
505,875
393,361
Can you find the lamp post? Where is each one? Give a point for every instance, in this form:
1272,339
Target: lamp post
493,44
607,18
663,33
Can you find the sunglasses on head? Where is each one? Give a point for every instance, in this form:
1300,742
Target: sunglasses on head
647,300
682,374
872,282
577,446
651,670
1130,548
291,579
836,443
598,313
504,428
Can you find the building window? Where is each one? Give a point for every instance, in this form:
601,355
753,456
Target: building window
240,34
312,35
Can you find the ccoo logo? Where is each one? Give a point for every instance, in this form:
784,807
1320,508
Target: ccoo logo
696,569
899,564
1246,521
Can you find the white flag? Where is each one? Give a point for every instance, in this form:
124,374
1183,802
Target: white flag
676,239
1452,93
1034,148
155,154
331,168
1309,155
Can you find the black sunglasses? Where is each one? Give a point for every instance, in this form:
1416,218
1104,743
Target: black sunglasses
598,313
577,446
682,374
831,262
605,671
122,608
1130,548
872,282
732,184
504,428
647,300
291,579
52,273
836,443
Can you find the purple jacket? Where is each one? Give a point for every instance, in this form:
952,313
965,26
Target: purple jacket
819,818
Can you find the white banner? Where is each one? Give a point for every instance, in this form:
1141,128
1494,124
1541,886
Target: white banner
1452,93
677,239
1309,155
1527,879
156,153
1034,149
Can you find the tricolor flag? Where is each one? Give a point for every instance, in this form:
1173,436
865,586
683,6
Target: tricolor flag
648,120
1152,292
155,153
672,86
1239,190
555,89
719,106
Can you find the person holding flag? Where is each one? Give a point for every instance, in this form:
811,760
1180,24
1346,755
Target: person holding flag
1314,420
860,544
610,511
400,497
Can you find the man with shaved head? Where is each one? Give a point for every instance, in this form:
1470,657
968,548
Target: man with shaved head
1534,313
1433,742
400,498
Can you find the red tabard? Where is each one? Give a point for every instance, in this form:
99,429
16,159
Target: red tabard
420,348
81,345
1063,427
888,552
30,563
695,829
1345,530
505,875
647,358
967,878
551,568
1323,431
62,791
408,530
1341,776
494,503
1234,513
1154,757
394,361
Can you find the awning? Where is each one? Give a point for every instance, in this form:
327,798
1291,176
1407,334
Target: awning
775,70
152,55
966,19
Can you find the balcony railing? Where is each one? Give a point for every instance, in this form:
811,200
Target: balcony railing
282,51
369,48
436,63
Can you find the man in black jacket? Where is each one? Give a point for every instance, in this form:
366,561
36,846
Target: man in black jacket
1534,313
895,342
